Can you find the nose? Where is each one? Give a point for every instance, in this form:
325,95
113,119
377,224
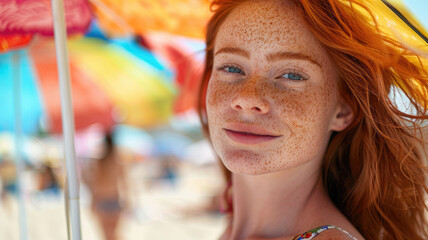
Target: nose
250,99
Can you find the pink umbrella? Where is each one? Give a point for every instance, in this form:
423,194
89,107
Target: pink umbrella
35,16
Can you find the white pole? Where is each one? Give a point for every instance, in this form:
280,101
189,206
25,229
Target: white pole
18,145
67,118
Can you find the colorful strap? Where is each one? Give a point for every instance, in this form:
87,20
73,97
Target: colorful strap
316,231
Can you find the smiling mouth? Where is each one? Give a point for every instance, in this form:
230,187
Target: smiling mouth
248,137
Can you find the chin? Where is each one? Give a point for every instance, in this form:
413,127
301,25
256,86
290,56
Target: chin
248,171
248,163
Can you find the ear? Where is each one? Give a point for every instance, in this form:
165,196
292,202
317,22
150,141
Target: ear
342,118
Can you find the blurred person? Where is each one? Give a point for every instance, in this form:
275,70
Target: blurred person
295,100
106,181
8,179
48,181
169,169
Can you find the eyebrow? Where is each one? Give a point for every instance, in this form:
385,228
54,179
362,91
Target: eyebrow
290,55
233,50
271,57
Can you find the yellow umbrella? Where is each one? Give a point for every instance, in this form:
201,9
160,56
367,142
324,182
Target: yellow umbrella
396,21
142,94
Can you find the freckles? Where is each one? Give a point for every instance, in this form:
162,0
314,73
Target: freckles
215,107
292,105
217,93
261,22
243,161
303,112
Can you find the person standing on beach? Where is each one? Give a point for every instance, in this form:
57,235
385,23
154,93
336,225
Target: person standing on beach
106,181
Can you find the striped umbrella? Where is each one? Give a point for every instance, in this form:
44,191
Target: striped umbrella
111,81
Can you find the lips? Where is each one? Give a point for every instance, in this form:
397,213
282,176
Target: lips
247,134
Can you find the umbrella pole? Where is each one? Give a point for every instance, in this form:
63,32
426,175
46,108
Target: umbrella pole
18,145
73,209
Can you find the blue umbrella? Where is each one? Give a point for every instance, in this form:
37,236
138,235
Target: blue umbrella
31,103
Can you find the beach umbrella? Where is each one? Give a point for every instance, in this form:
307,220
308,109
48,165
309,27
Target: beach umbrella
28,17
135,89
30,106
181,25
181,17
12,41
172,29
40,105
397,21
403,24
137,85
185,56
142,92
23,17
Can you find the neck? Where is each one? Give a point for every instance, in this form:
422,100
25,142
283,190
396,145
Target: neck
269,205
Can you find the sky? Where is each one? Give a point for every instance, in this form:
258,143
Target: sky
419,8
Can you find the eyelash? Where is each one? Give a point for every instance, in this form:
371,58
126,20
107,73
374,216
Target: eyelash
223,67
293,71
297,73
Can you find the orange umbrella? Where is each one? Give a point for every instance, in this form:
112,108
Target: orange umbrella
14,41
182,17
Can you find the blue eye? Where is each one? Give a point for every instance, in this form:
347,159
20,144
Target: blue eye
233,70
293,76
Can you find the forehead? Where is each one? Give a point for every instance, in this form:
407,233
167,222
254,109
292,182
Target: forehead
269,25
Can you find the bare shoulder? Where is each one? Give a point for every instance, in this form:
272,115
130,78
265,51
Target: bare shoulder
334,234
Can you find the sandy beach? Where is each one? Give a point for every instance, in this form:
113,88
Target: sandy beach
161,209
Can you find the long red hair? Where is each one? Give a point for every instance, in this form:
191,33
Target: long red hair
375,170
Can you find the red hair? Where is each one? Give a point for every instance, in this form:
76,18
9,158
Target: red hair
375,170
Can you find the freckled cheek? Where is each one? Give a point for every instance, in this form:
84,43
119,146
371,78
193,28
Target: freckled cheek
292,106
217,99
301,107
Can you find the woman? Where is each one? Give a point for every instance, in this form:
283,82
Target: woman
295,100
107,183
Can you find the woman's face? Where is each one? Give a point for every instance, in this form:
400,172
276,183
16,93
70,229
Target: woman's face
272,98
